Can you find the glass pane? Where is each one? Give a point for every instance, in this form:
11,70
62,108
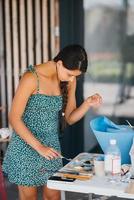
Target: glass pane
109,41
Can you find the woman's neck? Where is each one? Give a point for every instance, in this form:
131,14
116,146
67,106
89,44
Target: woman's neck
47,69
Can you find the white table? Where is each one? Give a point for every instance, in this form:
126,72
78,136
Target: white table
96,185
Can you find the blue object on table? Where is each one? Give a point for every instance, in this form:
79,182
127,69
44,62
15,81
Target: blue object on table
104,130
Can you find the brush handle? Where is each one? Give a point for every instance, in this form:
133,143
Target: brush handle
68,159
79,177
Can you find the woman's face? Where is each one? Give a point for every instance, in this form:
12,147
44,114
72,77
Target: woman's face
65,74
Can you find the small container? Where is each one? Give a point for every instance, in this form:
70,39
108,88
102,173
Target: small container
87,165
99,166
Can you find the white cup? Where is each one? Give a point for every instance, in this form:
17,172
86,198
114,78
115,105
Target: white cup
99,167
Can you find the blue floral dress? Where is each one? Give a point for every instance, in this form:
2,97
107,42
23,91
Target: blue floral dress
22,164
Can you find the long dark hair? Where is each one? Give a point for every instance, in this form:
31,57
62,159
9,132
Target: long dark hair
73,57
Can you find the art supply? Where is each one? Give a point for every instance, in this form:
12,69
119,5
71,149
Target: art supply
79,177
129,124
99,166
60,178
68,172
68,159
113,161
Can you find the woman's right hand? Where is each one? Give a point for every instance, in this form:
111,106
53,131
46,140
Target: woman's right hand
48,152
94,100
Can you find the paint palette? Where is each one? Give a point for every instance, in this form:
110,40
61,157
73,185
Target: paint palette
82,163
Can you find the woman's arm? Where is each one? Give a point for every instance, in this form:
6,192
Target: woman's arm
74,114
26,87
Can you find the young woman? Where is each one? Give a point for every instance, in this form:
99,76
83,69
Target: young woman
44,91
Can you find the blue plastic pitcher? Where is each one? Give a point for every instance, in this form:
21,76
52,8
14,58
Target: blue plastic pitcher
104,130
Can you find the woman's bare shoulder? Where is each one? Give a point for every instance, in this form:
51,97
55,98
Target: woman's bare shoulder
28,80
28,76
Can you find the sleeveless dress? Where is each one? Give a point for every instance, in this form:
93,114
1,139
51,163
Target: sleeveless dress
22,164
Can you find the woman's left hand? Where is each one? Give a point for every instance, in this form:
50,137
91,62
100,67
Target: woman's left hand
94,100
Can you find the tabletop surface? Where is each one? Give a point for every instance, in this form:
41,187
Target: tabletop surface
96,185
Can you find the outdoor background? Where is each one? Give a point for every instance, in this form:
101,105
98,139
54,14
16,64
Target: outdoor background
109,41
33,31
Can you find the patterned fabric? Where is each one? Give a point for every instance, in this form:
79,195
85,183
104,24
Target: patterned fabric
22,164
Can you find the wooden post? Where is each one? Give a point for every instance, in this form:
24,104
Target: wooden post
45,30
38,31
22,26
8,53
30,32
15,44
2,70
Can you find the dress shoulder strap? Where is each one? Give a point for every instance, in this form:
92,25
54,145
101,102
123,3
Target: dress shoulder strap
31,68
